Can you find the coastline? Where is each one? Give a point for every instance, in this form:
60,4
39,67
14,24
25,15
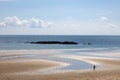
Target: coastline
109,71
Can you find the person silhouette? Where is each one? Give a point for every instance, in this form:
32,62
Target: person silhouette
94,67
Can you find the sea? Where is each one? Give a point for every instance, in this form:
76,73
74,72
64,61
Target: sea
18,42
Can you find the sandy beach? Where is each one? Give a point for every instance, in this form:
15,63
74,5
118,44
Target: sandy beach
108,68
12,66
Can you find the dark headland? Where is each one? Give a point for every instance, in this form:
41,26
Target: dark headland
54,42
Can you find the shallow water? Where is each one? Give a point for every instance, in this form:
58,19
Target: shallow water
74,63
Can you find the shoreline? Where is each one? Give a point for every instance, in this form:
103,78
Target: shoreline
109,71
24,65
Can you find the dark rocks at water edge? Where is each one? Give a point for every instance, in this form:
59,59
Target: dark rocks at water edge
54,42
87,43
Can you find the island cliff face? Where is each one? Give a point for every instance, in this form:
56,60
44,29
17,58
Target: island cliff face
54,42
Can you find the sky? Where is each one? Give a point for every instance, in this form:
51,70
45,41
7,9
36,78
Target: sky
59,17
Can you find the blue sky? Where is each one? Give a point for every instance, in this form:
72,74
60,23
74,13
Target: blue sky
59,17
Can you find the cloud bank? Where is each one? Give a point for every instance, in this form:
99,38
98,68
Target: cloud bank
107,22
14,21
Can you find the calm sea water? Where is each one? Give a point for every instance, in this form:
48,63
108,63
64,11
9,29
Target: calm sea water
17,42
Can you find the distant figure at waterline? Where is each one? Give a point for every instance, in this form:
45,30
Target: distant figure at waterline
94,67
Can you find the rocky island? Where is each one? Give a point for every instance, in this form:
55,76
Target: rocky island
54,42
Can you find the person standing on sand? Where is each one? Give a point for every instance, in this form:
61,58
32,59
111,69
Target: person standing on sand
94,67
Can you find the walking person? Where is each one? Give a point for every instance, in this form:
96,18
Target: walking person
94,67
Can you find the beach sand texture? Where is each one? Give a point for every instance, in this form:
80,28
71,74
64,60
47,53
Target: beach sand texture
110,69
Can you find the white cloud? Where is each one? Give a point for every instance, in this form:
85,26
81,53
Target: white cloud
104,18
2,24
15,25
107,22
34,22
14,21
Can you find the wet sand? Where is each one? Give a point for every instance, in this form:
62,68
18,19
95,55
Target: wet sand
110,69
17,65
